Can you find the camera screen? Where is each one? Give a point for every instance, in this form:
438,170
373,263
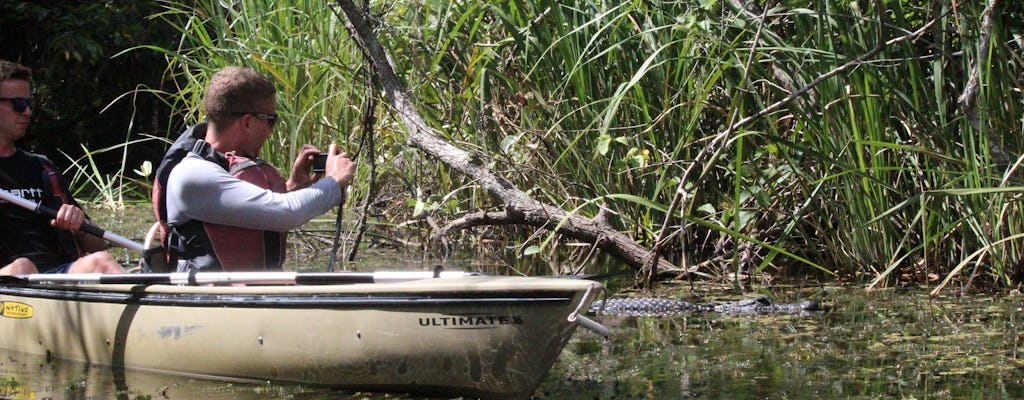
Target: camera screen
319,162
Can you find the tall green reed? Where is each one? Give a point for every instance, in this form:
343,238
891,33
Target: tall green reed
296,43
600,107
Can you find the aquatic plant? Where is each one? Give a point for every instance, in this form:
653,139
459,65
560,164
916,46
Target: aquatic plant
868,140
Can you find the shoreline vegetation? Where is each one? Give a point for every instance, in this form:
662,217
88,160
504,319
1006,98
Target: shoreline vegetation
860,141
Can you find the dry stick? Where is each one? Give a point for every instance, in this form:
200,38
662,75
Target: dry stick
968,100
699,159
341,208
371,192
781,79
519,207
969,103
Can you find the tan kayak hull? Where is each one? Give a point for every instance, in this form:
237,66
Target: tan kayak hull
492,337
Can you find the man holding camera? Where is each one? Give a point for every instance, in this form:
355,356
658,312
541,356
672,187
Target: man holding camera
220,206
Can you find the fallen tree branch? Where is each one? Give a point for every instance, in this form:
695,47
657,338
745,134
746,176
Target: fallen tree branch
519,207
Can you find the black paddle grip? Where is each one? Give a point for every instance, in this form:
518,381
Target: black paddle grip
86,226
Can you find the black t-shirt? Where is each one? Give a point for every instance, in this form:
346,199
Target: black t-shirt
24,233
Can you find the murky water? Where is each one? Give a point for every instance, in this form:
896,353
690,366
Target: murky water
885,344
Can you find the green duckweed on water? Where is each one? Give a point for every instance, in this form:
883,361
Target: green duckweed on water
887,344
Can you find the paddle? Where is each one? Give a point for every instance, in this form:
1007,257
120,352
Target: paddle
87,227
248,278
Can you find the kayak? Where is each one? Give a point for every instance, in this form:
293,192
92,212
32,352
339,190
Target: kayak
473,336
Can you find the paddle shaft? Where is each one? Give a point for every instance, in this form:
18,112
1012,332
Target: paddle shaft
248,278
87,227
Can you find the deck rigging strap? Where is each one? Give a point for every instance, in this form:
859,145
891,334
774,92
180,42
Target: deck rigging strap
249,278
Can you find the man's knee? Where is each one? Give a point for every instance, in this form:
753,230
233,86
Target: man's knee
98,262
20,266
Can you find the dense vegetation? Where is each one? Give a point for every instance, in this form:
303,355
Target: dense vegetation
865,139
91,101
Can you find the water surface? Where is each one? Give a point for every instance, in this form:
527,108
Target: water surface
886,344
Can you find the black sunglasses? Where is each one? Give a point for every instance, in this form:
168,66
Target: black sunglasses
19,104
270,118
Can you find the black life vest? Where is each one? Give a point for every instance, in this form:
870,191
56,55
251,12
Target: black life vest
210,246
55,194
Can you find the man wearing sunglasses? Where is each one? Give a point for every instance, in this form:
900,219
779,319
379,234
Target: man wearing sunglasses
220,206
30,243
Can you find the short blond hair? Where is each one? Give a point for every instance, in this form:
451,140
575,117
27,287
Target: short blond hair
234,91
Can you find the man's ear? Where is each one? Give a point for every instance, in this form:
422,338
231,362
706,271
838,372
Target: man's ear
245,122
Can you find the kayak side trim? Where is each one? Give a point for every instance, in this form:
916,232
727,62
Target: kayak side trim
289,300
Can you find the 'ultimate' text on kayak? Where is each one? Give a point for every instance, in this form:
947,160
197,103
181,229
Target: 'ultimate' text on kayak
472,321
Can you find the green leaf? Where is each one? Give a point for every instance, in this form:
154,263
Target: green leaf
507,143
418,209
603,143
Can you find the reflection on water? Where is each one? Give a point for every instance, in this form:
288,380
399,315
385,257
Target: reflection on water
883,345
27,376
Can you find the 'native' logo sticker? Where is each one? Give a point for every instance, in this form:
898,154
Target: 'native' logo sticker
14,309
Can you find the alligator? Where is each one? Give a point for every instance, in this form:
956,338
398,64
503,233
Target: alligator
647,306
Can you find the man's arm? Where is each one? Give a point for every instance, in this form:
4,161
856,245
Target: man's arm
90,243
198,189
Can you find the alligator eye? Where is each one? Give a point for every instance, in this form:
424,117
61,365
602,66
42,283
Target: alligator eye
810,305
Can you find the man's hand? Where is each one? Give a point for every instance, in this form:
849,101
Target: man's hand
69,218
339,167
300,177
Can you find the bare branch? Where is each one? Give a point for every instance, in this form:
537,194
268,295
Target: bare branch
519,207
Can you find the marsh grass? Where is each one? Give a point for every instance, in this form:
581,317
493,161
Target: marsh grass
878,173
126,184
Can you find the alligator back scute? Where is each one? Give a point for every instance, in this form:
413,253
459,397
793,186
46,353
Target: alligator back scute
650,306
641,306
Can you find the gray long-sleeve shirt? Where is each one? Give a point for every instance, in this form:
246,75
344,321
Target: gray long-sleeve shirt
201,190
